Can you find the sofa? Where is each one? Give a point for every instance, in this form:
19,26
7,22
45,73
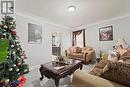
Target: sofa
84,54
105,74
84,79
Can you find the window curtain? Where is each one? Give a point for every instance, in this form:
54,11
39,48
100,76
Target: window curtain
75,34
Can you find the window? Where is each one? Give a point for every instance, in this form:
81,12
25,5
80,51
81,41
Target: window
79,38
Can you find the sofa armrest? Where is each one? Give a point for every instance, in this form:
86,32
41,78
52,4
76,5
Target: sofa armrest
85,54
88,55
83,79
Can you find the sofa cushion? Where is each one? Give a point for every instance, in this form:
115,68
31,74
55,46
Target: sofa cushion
102,63
112,56
74,48
77,50
125,54
117,72
80,55
86,49
96,71
76,55
71,50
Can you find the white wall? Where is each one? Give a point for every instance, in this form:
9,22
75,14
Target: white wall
40,53
121,28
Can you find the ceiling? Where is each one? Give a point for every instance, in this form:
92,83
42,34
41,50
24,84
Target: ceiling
87,11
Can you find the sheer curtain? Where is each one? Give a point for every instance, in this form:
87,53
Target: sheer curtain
78,38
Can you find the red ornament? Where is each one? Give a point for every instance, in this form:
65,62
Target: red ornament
13,32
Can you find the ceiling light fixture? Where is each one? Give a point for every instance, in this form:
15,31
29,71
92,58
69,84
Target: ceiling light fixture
71,8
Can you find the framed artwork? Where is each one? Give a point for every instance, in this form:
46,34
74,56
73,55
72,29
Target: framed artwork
106,33
34,33
7,7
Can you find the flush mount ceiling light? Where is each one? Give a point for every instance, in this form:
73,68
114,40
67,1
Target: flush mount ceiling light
71,8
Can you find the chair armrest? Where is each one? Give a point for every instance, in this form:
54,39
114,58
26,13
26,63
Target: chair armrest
83,79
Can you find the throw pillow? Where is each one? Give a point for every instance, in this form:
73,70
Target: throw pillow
71,50
125,54
102,63
74,50
112,56
121,51
77,50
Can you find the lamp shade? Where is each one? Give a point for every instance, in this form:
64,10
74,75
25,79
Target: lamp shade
121,41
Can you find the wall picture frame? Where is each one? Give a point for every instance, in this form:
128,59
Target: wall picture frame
34,33
106,33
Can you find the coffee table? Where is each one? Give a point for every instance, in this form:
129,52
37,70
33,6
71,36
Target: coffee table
57,70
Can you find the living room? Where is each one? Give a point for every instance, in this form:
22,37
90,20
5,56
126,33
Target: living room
54,17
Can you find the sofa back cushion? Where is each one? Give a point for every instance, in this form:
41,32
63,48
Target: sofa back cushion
77,50
118,72
121,51
86,49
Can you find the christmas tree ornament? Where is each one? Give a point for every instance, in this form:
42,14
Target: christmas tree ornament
19,63
16,40
13,32
22,57
17,37
18,48
10,69
11,22
17,44
5,26
14,65
17,70
12,46
7,81
19,58
18,73
14,53
4,34
25,70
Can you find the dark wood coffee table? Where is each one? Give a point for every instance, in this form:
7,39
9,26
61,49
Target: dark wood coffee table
49,70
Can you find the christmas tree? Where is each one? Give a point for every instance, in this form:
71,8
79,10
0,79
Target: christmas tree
12,64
